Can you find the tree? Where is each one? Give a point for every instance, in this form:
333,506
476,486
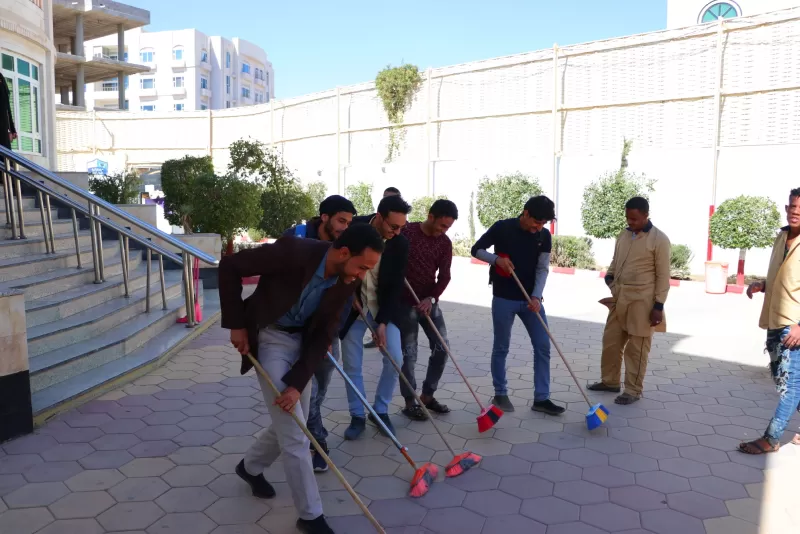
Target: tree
420,207
283,200
230,205
471,217
505,196
603,206
119,188
744,223
177,182
360,195
317,191
680,259
396,88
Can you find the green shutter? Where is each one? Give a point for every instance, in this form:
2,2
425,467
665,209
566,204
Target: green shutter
35,72
8,63
25,105
23,67
35,109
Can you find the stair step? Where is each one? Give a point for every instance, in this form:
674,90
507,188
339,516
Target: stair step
109,314
66,303
51,282
27,202
33,227
58,365
29,214
13,268
13,248
150,351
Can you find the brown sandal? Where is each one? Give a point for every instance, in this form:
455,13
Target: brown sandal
758,446
796,439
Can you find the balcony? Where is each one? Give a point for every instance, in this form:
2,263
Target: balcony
148,93
205,65
205,92
178,91
178,63
260,81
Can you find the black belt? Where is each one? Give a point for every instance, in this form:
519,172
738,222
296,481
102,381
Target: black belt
287,329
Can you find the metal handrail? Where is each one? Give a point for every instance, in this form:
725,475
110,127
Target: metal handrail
135,221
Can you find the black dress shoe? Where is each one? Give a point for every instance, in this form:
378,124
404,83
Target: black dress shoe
503,402
548,407
314,526
261,488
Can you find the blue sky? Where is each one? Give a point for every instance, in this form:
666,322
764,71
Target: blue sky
316,45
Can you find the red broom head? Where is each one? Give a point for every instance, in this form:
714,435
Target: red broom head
462,463
489,417
423,480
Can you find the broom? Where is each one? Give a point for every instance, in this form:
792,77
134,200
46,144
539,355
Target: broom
488,416
423,476
598,413
460,462
320,451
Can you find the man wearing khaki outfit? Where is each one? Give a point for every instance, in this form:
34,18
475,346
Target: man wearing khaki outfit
639,281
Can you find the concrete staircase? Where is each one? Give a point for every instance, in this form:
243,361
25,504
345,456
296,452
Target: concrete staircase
83,336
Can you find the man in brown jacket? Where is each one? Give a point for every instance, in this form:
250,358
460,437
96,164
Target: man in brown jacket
288,324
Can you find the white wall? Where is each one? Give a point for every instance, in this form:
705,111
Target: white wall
495,116
683,13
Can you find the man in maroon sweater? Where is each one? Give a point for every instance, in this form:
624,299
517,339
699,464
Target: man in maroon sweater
430,254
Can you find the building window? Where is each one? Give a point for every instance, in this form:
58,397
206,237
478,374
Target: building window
22,77
149,107
204,56
267,95
147,56
110,86
228,104
245,92
177,82
177,53
203,107
147,83
203,83
227,85
719,10
126,105
227,60
246,68
266,79
179,107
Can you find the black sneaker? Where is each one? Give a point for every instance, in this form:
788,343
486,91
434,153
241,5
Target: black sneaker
317,460
502,402
356,428
261,488
370,345
314,526
386,421
548,407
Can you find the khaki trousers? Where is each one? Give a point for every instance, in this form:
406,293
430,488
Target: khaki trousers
619,344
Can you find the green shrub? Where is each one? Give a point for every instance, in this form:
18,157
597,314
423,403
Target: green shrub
680,258
317,191
177,182
504,197
420,207
230,205
360,195
462,247
119,188
571,251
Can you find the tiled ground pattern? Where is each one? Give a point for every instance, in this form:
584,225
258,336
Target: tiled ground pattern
157,456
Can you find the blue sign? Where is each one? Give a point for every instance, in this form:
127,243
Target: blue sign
97,166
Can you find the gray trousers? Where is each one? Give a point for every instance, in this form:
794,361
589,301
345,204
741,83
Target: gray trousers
277,352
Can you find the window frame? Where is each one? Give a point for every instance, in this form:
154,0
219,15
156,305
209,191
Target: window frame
175,83
204,56
145,79
204,83
178,51
33,81
150,51
151,106
245,92
707,9
181,104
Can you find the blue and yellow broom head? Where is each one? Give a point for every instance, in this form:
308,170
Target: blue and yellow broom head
462,463
596,417
423,480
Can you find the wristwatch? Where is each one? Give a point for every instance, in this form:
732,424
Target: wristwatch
433,300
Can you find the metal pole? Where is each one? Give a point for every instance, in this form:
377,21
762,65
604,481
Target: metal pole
6,195
100,255
126,259
147,289
428,131
122,262
715,141
338,142
95,259
187,288
19,208
191,314
75,234
9,188
555,134
49,213
163,282
44,222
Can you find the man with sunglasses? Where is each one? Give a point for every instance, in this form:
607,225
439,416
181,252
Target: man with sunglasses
380,295
521,244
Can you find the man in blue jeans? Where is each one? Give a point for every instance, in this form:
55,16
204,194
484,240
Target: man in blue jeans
521,244
780,315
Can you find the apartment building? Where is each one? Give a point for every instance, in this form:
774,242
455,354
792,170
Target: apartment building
188,71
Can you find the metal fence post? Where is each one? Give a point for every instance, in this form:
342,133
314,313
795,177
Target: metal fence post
717,125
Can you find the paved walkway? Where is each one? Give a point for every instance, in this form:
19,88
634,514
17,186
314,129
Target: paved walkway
157,456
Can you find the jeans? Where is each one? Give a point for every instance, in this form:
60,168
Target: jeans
503,313
785,368
409,331
353,361
319,388
277,353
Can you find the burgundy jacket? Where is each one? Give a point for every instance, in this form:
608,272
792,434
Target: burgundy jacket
285,267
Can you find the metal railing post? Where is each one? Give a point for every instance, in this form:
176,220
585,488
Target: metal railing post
187,289
148,282
93,230
19,209
126,258
44,222
100,255
163,282
75,234
49,213
122,263
6,194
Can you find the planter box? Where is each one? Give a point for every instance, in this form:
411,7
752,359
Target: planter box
563,270
674,283
733,288
476,261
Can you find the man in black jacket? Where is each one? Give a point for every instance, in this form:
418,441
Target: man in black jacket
380,294
7,130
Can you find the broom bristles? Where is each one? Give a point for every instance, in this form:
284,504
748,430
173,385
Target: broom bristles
423,480
462,463
489,418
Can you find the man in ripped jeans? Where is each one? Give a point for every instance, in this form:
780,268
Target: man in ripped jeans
780,316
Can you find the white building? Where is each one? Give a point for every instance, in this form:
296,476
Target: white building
189,71
683,13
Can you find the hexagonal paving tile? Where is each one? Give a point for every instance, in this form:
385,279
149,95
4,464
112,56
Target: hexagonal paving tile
105,460
454,520
662,481
97,480
139,489
52,471
583,457
189,475
505,465
703,454
638,498
25,520
684,467
39,494
238,510
442,496
574,528
153,449
67,452
73,526
550,510
610,517
397,512
512,523
383,487
535,452
737,473
608,477
475,479
372,466
670,522
195,523
525,486
84,505
656,450
718,487
195,499
697,505
130,516
581,492
556,471
147,467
